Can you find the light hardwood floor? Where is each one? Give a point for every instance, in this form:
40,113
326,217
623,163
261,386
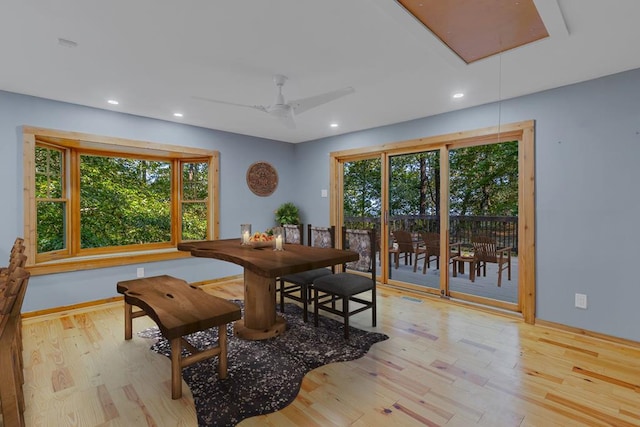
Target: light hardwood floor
444,364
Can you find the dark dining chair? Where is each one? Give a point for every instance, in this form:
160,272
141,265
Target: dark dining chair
297,286
347,287
293,233
485,250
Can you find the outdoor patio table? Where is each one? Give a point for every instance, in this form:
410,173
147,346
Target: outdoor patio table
460,260
262,265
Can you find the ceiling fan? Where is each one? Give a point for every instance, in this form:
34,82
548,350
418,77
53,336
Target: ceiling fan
285,112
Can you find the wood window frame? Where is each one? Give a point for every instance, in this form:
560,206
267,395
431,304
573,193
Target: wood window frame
105,145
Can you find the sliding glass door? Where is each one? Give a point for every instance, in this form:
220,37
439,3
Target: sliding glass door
454,213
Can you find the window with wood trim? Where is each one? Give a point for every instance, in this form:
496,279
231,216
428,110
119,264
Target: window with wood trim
88,196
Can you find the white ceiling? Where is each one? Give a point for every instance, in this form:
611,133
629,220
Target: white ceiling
154,56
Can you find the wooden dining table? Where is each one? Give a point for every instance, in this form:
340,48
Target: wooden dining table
262,266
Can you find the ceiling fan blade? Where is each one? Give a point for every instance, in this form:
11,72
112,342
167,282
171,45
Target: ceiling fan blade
288,121
285,116
216,101
299,106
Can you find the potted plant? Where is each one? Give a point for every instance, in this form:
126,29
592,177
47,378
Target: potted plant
287,213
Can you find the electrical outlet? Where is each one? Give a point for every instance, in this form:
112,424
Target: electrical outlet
140,272
581,301
323,193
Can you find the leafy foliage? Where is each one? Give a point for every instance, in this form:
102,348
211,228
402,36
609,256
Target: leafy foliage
195,193
124,201
362,188
483,181
51,210
414,186
287,213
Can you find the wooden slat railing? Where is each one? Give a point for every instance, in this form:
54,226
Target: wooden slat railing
504,229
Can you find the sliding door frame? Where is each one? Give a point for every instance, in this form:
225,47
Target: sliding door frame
523,132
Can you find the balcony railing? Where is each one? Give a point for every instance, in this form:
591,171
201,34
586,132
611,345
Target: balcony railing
504,229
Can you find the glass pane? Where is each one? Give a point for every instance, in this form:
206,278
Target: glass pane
414,204
124,201
194,221
362,204
484,219
51,226
48,173
195,182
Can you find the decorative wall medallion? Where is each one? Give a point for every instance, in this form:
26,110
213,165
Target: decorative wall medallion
262,179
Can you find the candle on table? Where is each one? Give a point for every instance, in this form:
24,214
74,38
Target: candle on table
245,237
279,242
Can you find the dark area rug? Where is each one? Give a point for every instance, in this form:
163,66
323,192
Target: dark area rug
264,376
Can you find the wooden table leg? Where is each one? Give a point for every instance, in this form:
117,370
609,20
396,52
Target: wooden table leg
127,321
455,268
260,320
222,357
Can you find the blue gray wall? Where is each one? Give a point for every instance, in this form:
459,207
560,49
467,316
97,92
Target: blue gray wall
587,195
237,203
587,147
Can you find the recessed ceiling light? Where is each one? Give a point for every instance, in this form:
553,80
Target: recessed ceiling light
113,102
458,95
334,125
178,114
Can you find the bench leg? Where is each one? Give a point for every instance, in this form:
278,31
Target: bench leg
176,368
222,357
177,362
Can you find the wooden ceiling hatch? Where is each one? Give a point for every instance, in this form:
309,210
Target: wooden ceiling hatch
477,29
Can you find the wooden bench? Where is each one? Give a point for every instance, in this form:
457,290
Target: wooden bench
179,309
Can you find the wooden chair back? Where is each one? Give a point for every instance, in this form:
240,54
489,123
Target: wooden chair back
431,242
485,248
404,241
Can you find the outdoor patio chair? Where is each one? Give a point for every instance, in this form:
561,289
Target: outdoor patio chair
405,246
347,286
431,250
485,250
297,286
